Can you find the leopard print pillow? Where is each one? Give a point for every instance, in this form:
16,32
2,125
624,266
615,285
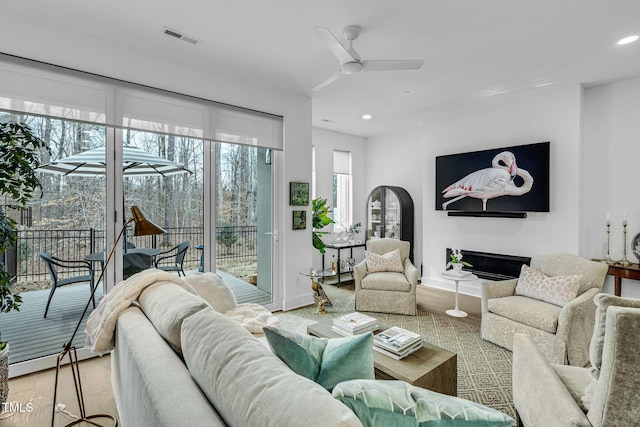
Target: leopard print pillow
390,261
557,290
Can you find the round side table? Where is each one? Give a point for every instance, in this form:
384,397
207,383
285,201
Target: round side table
320,297
465,276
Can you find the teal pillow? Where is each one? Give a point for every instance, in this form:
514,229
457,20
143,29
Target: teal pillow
399,404
325,361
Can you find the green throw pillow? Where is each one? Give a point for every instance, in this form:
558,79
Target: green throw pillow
325,361
399,404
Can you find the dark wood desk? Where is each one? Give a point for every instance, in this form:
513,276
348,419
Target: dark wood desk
619,272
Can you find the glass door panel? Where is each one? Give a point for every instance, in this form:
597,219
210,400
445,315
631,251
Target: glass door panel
243,199
65,222
169,192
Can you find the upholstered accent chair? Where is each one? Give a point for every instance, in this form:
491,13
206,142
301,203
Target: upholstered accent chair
386,291
605,394
561,330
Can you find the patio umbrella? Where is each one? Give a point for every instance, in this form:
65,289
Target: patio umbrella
136,162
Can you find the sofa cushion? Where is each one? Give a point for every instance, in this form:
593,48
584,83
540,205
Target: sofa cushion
398,404
390,261
325,361
558,290
213,290
528,311
386,281
166,305
148,378
248,384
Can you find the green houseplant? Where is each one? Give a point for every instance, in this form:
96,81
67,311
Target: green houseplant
19,158
320,217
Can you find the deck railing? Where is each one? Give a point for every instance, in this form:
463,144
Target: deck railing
232,242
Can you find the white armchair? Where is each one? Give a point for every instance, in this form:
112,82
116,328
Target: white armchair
562,332
606,394
387,291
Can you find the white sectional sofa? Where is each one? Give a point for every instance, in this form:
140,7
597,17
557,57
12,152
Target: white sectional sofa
178,362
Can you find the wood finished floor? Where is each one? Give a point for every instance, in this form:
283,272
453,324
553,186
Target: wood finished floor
37,388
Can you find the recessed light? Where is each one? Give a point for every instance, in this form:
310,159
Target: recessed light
543,84
628,40
367,117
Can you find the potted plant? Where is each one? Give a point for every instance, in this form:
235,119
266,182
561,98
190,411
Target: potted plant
456,261
320,217
19,158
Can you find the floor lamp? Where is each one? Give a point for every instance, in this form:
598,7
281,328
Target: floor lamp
143,227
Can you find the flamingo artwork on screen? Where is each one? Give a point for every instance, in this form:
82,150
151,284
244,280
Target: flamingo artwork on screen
517,180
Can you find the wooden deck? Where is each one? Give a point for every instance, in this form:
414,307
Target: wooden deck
31,336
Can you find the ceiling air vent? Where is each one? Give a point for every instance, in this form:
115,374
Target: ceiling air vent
180,36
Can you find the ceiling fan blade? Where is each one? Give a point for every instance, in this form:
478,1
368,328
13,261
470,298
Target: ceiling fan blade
392,65
332,78
334,45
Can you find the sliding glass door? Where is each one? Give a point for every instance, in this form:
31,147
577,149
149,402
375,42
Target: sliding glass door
210,183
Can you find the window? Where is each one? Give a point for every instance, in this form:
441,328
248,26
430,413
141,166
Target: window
342,199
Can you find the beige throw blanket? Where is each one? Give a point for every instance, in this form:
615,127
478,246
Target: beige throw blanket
101,325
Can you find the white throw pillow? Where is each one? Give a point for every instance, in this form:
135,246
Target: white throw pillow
390,261
213,290
557,290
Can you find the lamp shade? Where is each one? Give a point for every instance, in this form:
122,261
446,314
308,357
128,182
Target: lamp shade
144,227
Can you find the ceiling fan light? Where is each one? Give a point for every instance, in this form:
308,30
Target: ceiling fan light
350,68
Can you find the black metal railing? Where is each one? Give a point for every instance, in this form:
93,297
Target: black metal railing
232,242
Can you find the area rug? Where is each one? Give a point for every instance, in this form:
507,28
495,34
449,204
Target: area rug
484,369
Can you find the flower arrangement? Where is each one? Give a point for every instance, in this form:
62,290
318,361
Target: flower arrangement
456,258
354,229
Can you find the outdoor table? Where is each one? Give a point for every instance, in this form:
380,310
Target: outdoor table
134,260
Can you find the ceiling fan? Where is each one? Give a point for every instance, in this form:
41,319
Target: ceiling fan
350,61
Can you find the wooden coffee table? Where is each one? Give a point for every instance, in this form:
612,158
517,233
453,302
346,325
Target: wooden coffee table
431,367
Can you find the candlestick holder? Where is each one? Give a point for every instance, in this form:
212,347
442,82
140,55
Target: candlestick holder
608,259
624,261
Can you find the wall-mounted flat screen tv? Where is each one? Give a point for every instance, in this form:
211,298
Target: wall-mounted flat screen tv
507,179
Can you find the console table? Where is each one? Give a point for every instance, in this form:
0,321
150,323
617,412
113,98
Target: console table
619,272
338,247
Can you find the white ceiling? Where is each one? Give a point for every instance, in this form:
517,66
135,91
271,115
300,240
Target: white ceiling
474,50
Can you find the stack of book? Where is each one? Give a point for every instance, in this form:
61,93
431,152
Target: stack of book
396,342
354,324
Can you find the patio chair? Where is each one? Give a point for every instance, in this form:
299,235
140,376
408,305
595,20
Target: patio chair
54,263
177,252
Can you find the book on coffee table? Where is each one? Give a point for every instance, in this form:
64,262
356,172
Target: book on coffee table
396,340
347,333
398,356
355,323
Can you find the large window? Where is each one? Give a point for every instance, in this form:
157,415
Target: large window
219,157
342,197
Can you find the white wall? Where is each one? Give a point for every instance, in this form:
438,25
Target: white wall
408,160
611,139
399,160
325,142
47,42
